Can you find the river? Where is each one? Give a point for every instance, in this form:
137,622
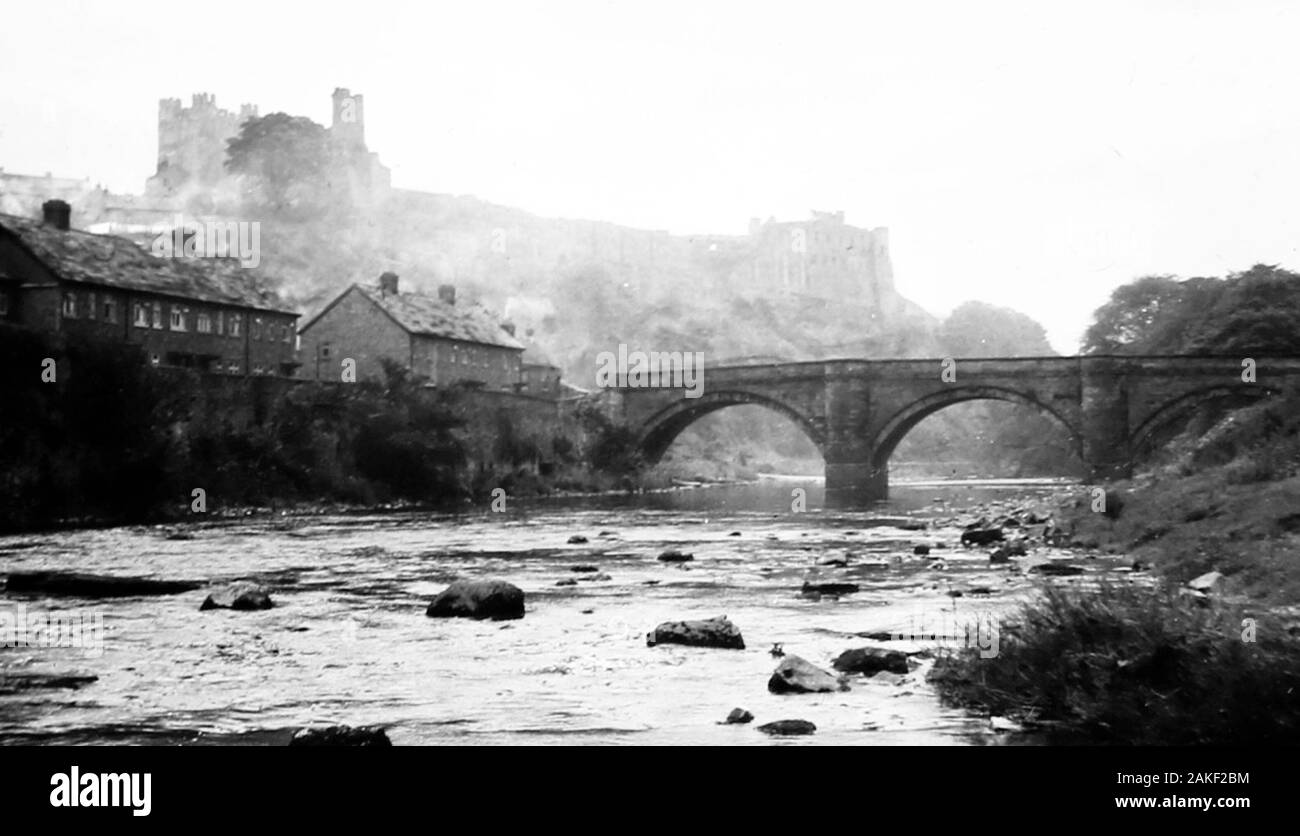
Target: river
348,641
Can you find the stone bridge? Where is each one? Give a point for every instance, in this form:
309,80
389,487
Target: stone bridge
857,411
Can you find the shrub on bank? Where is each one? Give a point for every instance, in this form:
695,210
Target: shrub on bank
1135,665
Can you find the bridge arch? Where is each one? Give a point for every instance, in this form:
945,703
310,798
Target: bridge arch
1186,405
904,420
661,429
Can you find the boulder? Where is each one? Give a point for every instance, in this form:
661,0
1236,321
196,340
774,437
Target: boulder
739,715
241,595
584,568
795,675
1003,554
788,727
674,556
712,632
870,661
1057,569
921,551
567,582
81,585
340,736
1209,582
599,576
829,588
981,536
577,538
496,600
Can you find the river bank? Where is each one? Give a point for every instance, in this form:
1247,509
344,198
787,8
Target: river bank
1205,651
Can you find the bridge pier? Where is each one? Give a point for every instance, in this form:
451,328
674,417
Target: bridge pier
855,484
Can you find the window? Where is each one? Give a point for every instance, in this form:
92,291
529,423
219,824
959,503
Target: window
288,332
235,323
203,323
157,315
110,309
233,367
178,318
153,359
90,306
255,329
70,305
4,304
257,370
325,351
140,315
220,323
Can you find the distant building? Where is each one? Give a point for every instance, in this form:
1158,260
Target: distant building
822,257
434,337
539,375
203,313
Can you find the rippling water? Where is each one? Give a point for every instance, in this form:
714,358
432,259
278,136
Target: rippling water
348,641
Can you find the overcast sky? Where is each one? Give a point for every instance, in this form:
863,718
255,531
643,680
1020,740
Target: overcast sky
1028,156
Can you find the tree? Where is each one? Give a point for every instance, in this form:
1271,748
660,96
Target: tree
285,159
977,329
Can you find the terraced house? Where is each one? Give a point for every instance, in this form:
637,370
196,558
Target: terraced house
437,339
209,314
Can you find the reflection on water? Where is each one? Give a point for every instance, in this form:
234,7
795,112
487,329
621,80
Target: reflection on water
348,641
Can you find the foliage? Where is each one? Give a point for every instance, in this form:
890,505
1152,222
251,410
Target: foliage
284,159
1253,312
1129,665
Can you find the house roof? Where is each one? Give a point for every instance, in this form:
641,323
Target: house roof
113,261
432,317
534,356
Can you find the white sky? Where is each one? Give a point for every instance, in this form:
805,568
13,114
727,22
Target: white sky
1028,156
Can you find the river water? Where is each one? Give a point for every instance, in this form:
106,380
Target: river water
348,641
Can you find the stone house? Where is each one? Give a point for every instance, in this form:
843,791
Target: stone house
205,313
434,337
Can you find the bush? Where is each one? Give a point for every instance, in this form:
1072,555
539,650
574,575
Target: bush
1134,665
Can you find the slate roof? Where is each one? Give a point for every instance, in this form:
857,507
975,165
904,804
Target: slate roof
430,316
113,261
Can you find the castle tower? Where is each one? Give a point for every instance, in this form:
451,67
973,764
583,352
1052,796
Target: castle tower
348,127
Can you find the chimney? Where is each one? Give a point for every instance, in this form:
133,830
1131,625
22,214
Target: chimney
58,214
447,293
388,284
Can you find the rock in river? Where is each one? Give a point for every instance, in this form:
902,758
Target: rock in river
829,588
241,595
739,715
674,556
1209,582
577,538
798,676
1057,569
496,600
785,727
93,586
340,736
981,536
870,660
713,632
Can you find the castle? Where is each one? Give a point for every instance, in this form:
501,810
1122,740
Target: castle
192,150
459,239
